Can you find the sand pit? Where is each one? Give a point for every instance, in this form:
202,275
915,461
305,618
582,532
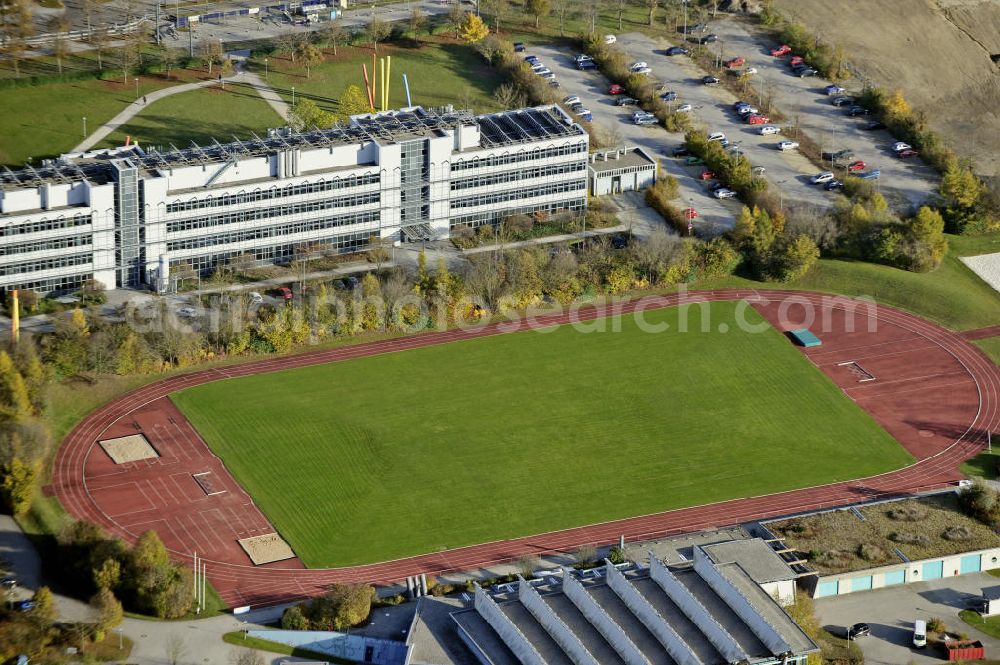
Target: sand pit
132,448
266,548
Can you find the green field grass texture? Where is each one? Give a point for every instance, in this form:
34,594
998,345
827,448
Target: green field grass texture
199,115
479,440
438,74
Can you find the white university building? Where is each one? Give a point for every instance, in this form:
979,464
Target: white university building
127,217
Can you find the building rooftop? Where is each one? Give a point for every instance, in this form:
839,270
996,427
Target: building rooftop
754,556
496,129
699,613
609,160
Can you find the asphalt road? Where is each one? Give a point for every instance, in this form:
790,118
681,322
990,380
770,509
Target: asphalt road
713,107
904,183
591,87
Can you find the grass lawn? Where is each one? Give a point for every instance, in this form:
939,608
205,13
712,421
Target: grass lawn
439,73
989,625
47,120
407,453
952,295
990,347
983,465
199,115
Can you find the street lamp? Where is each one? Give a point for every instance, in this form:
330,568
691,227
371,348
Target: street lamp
137,89
265,68
119,631
293,95
84,126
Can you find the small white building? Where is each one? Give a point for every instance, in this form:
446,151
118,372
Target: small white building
761,563
620,170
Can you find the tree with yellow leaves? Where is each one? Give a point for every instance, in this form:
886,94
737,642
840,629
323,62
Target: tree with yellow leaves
472,29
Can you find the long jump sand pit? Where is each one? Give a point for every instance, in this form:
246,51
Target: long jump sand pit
132,448
266,548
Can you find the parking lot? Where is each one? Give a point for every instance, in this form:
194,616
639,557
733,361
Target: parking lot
713,107
903,182
592,88
891,613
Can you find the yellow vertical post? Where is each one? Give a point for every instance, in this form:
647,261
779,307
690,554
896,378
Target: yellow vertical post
388,78
15,317
381,64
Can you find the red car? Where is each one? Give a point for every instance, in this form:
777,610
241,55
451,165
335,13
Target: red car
758,120
909,152
286,293
616,89
796,60
706,175
781,50
738,61
854,167
690,213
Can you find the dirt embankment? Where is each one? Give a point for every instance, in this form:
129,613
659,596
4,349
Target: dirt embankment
938,52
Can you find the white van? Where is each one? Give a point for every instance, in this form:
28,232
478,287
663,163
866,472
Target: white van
919,633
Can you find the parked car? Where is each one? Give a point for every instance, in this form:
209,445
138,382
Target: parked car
680,151
843,100
610,39
709,39
24,605
873,125
857,110
747,110
899,146
706,175
796,60
638,64
858,630
690,213
518,47
572,99
187,312
833,89
854,167
581,57
626,101
8,582
738,104
709,80
642,70
285,293
579,109
838,156
684,108
749,71
586,116
554,83
769,129
537,66
870,175
586,64
716,136
644,119
833,185
808,71
820,178
758,119
544,71
616,89
906,154
531,59
781,50
723,193
669,96
255,298
787,145
738,61
758,171
677,50
693,160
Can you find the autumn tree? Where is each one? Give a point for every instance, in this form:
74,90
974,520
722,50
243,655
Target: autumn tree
18,484
472,29
352,101
564,10
15,28
306,115
652,6
333,35
929,243
456,17
211,53
108,608
57,26
499,10
417,21
308,55
539,9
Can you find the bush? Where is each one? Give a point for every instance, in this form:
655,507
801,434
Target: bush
344,606
872,553
658,197
907,538
617,555
907,514
936,625
294,619
957,533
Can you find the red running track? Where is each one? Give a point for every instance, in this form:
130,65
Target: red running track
935,392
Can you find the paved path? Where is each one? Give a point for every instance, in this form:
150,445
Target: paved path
982,333
238,78
241,583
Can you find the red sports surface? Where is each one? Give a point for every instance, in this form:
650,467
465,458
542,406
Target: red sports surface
936,393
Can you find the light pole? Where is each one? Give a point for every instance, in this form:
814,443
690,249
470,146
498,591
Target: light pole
293,95
84,126
265,69
119,631
136,89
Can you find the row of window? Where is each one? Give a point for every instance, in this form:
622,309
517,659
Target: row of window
45,225
274,193
44,264
50,286
522,174
46,245
517,194
350,242
273,231
529,155
496,216
275,211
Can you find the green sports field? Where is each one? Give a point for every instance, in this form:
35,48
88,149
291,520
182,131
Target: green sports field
406,453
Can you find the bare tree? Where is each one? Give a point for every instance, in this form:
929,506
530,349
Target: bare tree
592,10
499,10
484,278
99,38
654,254
621,6
333,35
378,251
565,10
246,657
168,58
57,26
455,16
377,31
508,96
417,21
15,28
211,53
652,6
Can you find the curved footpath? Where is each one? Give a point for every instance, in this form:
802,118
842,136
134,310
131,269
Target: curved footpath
245,584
